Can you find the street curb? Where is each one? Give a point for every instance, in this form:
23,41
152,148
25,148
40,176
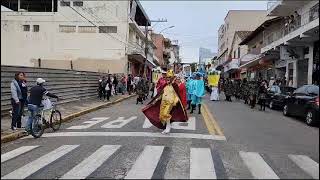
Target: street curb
17,135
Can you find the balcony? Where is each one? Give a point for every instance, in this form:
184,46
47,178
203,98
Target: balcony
304,29
283,7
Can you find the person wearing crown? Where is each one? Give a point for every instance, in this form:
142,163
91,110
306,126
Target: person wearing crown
166,107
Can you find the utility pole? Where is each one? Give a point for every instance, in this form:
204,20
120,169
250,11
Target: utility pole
146,45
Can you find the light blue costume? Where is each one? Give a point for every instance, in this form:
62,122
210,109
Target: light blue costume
198,91
190,87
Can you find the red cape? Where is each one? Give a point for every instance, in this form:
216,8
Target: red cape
183,94
152,110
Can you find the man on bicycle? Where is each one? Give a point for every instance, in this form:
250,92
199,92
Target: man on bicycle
35,98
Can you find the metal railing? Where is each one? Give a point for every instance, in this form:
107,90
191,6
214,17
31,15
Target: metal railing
292,26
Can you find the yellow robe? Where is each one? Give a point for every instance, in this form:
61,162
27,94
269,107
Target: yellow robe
168,101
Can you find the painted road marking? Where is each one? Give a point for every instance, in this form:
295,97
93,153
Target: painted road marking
90,123
118,123
257,166
17,152
201,164
39,163
211,122
146,163
307,164
134,134
190,124
91,163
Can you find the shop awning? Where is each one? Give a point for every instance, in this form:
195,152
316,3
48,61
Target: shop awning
253,62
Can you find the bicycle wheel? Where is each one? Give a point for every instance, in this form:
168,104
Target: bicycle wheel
37,127
55,120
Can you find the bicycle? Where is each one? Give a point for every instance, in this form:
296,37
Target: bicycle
39,123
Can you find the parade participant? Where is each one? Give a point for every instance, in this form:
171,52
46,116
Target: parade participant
228,89
140,90
213,80
166,106
182,91
190,89
253,93
198,93
162,82
245,90
262,93
237,89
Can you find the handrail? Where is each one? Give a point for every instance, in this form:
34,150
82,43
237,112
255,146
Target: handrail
290,27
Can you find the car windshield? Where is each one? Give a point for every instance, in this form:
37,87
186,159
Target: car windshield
313,90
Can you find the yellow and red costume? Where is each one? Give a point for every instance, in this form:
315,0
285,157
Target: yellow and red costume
166,106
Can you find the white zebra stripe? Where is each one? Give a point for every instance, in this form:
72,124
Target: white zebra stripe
39,163
91,163
17,152
146,163
201,164
257,166
306,164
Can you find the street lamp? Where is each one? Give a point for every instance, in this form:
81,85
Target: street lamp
166,29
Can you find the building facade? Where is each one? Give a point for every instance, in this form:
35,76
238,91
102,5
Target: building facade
296,40
99,36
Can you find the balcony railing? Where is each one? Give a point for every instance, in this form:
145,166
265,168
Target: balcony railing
292,26
135,49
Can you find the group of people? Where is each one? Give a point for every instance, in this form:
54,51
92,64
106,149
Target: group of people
252,92
20,99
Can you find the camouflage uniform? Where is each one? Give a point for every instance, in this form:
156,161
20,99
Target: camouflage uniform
245,91
228,90
253,91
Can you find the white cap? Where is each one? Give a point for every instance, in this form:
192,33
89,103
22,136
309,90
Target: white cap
40,81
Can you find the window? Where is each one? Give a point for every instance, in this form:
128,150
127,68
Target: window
87,29
26,27
77,3
107,29
238,52
63,3
67,28
36,28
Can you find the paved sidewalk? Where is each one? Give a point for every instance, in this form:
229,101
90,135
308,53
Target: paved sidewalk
66,109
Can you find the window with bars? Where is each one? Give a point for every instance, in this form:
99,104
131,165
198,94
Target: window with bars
26,27
67,28
107,29
36,28
87,29
64,3
77,3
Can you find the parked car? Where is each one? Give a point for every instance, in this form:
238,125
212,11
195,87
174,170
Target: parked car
276,95
304,102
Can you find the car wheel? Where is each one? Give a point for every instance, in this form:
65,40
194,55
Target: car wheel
310,118
271,105
286,110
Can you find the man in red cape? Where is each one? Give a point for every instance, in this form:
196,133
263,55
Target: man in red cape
166,106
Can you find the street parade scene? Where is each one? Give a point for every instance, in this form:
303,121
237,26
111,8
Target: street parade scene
137,89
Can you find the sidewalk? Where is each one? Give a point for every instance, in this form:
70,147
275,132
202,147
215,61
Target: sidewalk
68,110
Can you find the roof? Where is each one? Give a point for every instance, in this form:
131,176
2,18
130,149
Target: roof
243,34
259,29
243,11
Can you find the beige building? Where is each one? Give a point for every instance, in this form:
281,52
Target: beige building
100,36
236,20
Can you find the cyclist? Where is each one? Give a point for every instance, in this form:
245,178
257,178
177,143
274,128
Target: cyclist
35,98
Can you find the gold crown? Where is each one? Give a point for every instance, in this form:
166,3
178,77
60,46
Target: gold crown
170,73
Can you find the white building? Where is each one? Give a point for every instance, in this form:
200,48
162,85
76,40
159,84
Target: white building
95,35
297,41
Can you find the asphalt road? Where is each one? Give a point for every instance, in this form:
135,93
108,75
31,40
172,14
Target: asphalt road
118,142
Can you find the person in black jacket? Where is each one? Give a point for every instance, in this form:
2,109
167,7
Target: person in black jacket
108,87
262,93
115,84
35,98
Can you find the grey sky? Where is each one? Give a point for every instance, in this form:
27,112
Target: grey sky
196,22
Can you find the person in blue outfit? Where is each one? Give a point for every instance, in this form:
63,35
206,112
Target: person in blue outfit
198,91
189,89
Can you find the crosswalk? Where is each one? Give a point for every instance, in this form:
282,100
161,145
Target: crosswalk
201,163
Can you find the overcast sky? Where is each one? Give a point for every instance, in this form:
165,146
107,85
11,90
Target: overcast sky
196,22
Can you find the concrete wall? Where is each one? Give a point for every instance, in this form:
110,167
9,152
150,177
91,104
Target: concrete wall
19,47
67,84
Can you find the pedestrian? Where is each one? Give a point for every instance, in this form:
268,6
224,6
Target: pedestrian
19,91
140,90
122,85
101,89
271,82
152,89
166,107
146,89
35,100
108,87
228,89
129,84
262,93
115,84
198,93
